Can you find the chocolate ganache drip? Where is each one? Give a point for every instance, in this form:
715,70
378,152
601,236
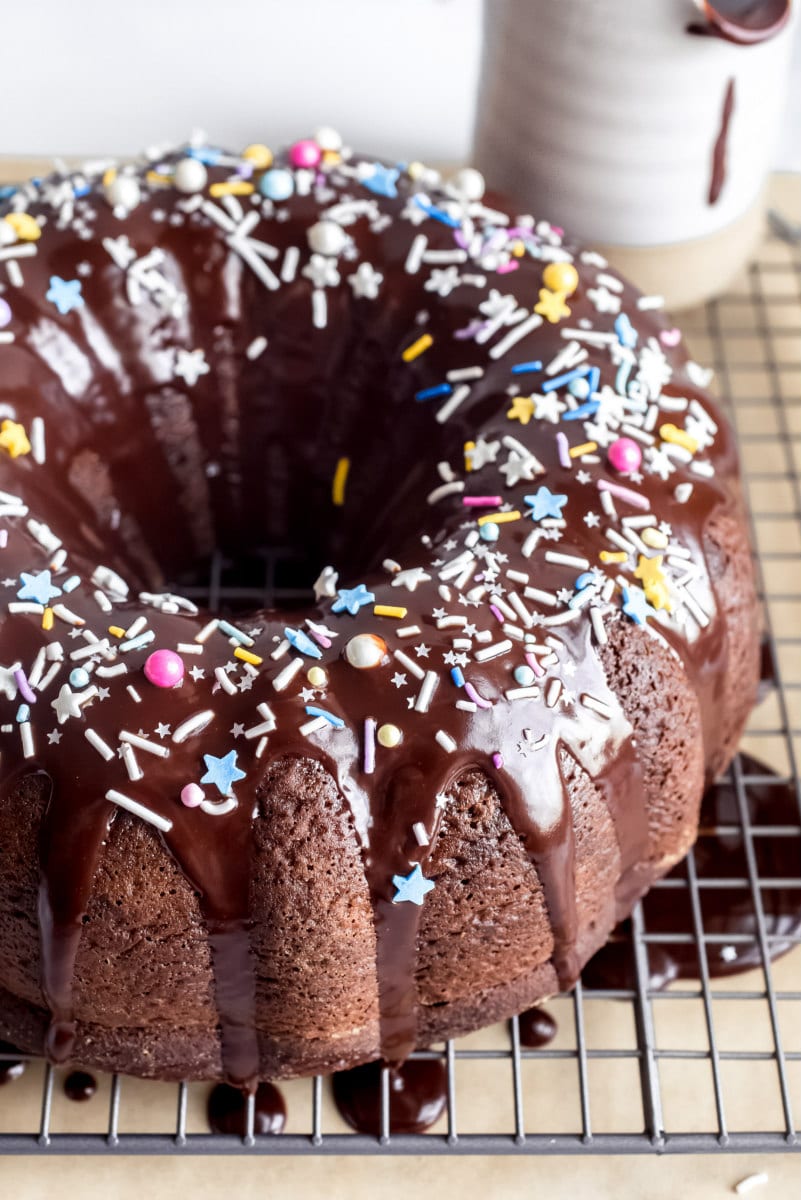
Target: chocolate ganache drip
473,419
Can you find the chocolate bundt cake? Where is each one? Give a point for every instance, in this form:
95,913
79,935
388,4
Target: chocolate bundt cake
265,844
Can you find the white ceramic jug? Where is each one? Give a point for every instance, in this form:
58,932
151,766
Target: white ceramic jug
639,125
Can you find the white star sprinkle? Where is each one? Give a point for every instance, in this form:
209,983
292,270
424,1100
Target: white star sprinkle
190,365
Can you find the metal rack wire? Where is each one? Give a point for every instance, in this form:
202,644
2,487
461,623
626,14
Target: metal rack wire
687,1069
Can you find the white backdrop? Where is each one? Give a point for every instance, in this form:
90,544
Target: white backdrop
398,76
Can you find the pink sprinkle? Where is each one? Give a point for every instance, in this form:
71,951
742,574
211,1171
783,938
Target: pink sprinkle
319,637
532,662
624,493
497,760
481,501
474,696
563,447
496,612
460,239
369,745
625,455
192,795
24,686
164,668
305,153
505,268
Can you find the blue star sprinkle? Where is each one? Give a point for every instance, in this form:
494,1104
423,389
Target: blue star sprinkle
37,588
382,181
222,772
65,294
636,606
352,599
545,503
303,643
413,887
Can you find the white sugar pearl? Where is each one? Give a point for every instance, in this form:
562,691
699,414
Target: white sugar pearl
469,183
326,237
190,175
123,192
389,736
365,651
328,138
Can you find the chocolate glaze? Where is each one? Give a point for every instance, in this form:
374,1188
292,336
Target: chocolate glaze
417,1096
718,175
537,1028
227,1110
745,22
10,1068
725,910
80,1086
297,413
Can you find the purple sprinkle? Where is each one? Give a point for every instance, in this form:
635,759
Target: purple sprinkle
474,696
24,686
562,447
496,612
505,268
497,760
369,745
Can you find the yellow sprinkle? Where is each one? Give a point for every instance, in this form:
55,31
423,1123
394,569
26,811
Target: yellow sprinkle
26,227
389,736
47,619
417,348
331,158
14,439
584,448
499,518
109,176
518,249
232,187
260,155
390,610
339,481
468,457
247,657
317,677
522,409
672,433
654,538
116,631
613,556
157,177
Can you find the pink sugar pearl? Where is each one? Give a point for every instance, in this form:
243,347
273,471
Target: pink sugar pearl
164,668
192,795
625,455
305,153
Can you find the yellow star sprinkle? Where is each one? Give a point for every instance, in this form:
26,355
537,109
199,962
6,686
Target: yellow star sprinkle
654,583
14,439
552,306
522,409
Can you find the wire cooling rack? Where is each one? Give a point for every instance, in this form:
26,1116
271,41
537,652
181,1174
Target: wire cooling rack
699,1066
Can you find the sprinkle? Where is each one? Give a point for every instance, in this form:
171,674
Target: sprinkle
474,695
489,652
584,448
192,795
136,643
194,724
440,389
522,693
464,374
613,556
499,518
445,489
417,348
566,560
24,687
369,745
415,256
468,706
557,381
553,692
679,437
427,689
481,501
623,493
248,657
563,449
255,350
327,716
411,888
390,610
139,810
205,632
597,706
445,741
750,1182
420,834
116,631
541,597
598,627
450,406
408,631
515,335
134,739
103,748
525,368
231,631
135,772
683,492
389,736
26,734
285,677
225,681
313,726
409,664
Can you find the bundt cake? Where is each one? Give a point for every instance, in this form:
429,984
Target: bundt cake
259,845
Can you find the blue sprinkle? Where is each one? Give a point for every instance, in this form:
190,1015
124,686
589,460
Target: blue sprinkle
23,713
584,580
579,388
585,410
231,631
437,213
302,642
205,154
560,380
626,333
524,676
490,532
441,389
457,676
69,585
595,379
524,368
79,190
79,678
313,711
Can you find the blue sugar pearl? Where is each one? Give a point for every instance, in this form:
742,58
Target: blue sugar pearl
490,532
580,388
79,678
277,184
524,676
